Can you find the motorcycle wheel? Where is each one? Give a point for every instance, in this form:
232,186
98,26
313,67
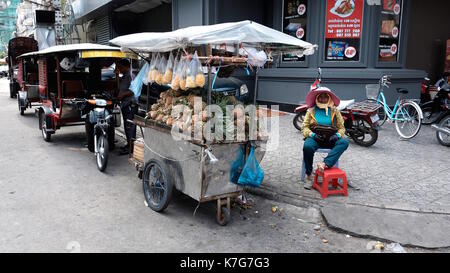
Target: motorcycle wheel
428,116
298,120
102,153
443,138
366,134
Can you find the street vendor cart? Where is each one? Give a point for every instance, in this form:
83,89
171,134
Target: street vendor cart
200,168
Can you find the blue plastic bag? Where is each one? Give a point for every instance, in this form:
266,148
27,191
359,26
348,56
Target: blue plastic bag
136,84
237,166
252,174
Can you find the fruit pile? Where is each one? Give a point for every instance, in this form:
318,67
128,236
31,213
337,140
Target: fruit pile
175,108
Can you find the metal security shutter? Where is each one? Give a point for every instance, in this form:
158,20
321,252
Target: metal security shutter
103,28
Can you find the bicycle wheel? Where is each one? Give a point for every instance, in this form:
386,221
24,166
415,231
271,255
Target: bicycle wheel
382,114
407,120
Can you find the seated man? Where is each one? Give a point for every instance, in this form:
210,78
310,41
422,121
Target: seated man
320,120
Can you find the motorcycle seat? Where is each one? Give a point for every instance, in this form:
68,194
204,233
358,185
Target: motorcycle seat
402,91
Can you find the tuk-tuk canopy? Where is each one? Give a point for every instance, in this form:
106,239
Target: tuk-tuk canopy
87,51
244,32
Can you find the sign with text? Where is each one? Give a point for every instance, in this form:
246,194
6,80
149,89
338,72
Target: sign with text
343,28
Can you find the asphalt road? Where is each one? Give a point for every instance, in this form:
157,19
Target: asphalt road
53,199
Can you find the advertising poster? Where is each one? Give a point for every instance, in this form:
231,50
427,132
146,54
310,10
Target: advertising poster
390,30
343,29
294,24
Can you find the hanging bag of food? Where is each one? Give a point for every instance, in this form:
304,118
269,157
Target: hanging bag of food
191,72
183,70
198,72
175,82
161,66
153,69
167,78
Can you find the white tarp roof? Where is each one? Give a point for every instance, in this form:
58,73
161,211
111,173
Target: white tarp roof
73,47
245,32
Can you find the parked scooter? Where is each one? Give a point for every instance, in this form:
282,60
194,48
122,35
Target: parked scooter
360,123
435,110
100,123
443,129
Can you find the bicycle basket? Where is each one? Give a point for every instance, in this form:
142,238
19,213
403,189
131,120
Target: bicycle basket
372,91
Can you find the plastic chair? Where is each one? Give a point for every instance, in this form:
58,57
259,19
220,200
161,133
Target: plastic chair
321,150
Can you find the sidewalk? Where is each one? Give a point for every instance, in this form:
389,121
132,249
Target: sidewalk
394,175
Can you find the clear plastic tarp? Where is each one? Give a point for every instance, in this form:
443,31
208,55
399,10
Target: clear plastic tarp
245,32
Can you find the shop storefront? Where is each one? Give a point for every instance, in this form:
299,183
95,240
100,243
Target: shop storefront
358,42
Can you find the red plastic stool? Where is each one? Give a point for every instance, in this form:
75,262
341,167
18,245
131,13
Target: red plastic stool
332,176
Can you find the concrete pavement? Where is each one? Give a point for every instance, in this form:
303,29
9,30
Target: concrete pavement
405,176
55,200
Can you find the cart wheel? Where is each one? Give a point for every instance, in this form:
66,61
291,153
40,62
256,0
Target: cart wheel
224,217
157,184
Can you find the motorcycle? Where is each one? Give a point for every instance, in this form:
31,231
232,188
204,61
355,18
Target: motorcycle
360,118
434,110
100,124
443,129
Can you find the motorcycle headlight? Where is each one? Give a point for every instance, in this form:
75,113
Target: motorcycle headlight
100,102
243,90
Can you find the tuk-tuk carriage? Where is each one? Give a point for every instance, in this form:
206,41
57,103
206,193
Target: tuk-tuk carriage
204,169
28,93
73,92
16,47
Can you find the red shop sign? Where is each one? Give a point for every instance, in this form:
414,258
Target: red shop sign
344,19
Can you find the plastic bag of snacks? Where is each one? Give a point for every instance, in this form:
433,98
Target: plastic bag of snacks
168,73
175,78
190,72
153,70
161,66
183,70
196,70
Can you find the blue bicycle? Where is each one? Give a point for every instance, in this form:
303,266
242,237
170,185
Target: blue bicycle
406,114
